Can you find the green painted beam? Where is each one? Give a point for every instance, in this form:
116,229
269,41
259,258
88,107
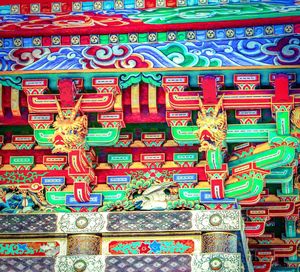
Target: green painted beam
280,175
269,159
59,198
95,136
235,133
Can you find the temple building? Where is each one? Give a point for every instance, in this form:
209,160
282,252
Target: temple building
149,136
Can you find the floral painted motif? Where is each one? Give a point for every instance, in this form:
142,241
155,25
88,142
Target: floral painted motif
155,247
20,177
153,174
144,248
41,249
151,247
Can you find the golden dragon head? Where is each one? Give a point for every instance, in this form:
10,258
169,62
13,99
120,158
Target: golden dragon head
295,118
70,132
212,127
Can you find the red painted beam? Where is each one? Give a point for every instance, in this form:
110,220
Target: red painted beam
38,154
280,250
262,266
135,151
258,99
141,28
254,229
275,209
209,87
67,92
282,89
101,174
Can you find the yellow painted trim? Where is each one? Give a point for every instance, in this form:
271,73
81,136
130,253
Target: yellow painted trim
32,239
135,98
1,99
118,106
152,99
14,102
168,104
152,237
138,70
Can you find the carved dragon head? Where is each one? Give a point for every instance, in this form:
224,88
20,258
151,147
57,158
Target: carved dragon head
70,132
212,126
295,118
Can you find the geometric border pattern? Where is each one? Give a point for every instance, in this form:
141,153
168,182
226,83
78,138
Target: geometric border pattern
165,263
78,6
28,223
138,221
171,36
207,262
210,262
45,264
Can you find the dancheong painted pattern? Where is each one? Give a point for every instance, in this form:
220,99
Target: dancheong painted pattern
141,135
